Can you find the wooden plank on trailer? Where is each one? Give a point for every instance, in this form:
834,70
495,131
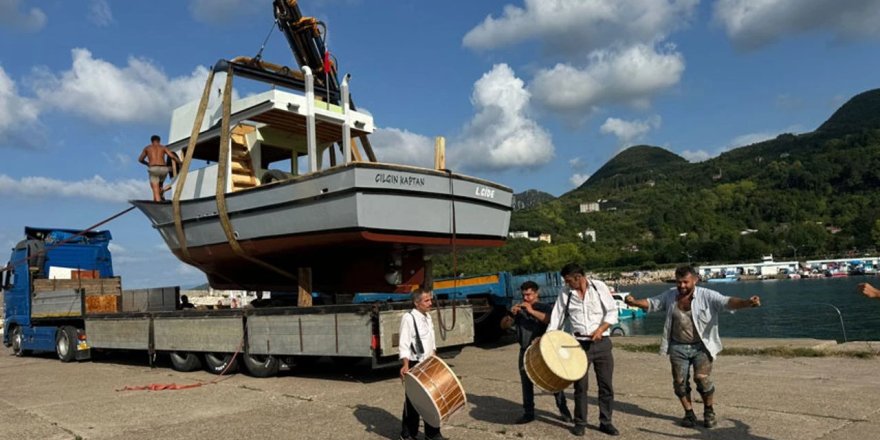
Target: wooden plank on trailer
304,289
99,286
126,334
207,333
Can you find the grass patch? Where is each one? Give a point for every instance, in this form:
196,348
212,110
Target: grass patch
784,352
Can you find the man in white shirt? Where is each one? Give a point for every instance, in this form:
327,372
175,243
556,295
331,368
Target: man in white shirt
416,344
591,310
690,337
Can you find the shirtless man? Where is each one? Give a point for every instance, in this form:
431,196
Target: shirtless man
153,157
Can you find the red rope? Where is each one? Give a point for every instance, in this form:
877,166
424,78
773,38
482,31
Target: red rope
175,387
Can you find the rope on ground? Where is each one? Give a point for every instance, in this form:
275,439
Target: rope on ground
176,387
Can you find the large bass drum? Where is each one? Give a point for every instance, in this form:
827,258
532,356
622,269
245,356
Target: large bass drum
434,390
555,361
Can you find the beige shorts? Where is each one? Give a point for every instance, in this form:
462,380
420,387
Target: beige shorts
157,173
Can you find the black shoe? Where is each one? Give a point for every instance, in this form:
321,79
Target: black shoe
709,419
526,418
579,430
608,428
406,437
565,414
437,437
689,420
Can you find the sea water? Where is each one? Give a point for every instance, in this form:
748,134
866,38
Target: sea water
805,308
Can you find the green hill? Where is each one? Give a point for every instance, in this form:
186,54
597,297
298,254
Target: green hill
813,194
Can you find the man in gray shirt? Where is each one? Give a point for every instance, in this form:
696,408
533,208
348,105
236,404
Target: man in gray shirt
690,337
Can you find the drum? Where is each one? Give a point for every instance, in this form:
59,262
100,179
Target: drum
434,390
555,361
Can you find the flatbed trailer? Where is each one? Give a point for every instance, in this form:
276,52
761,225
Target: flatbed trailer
72,317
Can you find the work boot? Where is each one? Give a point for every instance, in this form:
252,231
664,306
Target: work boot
709,418
525,418
689,420
579,430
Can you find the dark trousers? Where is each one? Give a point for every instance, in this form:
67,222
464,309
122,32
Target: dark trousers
600,357
409,426
528,389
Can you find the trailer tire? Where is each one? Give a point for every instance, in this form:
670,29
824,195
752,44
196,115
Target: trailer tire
184,361
260,365
216,363
618,331
17,337
65,343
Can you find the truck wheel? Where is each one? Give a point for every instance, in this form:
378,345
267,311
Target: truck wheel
17,337
618,331
260,365
218,362
65,343
185,361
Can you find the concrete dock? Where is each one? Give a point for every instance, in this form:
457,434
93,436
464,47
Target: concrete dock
758,397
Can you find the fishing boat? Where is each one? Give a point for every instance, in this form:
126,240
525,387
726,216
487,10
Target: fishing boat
263,193
625,311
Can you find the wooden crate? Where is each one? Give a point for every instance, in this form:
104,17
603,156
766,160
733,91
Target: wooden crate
100,286
103,303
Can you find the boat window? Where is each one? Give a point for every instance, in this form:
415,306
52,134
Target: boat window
7,278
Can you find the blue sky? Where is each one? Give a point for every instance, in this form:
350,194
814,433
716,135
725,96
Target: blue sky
531,94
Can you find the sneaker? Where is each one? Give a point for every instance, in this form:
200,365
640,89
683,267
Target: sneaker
565,414
608,428
579,430
689,420
709,419
526,418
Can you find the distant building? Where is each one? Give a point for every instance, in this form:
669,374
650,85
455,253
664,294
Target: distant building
588,234
589,207
545,238
518,234
747,231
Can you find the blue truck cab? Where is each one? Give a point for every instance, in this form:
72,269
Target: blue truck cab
45,253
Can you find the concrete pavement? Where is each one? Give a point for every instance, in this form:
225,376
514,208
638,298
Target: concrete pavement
758,397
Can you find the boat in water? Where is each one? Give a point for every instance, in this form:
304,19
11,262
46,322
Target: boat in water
625,311
281,186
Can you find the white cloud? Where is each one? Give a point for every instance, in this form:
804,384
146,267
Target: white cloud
116,248
17,114
629,131
631,75
577,164
576,26
697,156
100,13
501,135
401,146
751,24
222,11
578,179
749,139
100,91
10,16
95,188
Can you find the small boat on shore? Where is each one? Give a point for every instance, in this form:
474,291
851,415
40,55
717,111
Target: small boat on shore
272,195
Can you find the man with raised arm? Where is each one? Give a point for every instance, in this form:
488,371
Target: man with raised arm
690,337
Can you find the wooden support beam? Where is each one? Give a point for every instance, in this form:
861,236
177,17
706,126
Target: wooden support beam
304,282
355,152
368,148
439,153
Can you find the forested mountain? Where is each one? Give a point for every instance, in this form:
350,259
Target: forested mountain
808,195
531,198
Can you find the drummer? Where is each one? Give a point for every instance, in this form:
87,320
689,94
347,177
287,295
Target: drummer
531,318
417,343
591,309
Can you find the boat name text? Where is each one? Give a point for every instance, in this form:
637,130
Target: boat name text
400,179
482,191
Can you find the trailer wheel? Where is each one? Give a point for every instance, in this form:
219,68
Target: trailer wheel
618,331
260,365
17,337
218,362
185,361
65,343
